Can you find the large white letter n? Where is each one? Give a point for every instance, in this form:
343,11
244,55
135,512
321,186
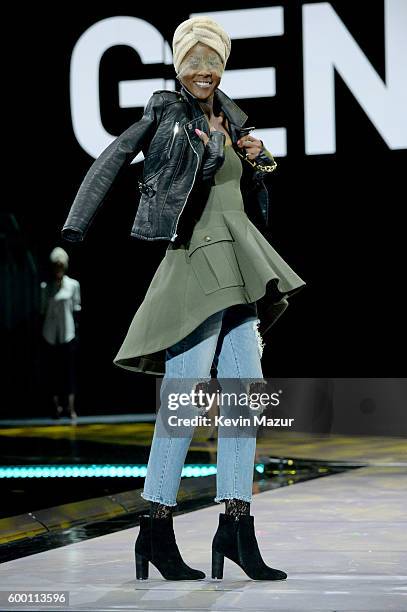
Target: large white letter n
328,45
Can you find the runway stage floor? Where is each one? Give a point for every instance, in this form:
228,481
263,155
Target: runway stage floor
341,539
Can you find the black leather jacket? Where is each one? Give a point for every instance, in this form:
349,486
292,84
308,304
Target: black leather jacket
174,163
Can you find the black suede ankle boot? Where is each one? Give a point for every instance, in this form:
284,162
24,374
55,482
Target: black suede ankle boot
236,540
156,544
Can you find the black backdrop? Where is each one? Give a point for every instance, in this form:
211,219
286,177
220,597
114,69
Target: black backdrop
336,218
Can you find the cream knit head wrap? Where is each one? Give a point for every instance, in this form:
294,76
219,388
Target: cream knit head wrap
199,29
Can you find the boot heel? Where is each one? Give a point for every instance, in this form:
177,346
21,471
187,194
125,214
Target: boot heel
217,564
141,567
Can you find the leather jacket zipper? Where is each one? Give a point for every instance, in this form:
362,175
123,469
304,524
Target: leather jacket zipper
173,237
175,132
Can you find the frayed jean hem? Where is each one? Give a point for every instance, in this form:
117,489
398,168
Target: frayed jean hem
160,500
220,498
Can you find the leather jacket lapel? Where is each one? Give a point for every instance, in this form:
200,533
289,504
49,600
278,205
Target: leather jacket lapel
235,115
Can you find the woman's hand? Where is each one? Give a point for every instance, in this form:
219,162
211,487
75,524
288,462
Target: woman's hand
203,136
253,145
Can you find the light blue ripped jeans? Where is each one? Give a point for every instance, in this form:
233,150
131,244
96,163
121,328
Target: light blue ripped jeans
229,340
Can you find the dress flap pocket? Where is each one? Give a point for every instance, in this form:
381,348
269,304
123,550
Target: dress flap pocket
205,237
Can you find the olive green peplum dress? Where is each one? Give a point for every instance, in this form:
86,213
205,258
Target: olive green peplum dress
226,261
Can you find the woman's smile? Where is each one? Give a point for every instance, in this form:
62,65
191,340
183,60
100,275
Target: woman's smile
203,84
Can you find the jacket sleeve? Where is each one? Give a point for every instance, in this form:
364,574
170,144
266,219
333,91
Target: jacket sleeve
102,174
214,155
264,164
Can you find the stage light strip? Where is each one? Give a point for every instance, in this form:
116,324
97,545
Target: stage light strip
97,471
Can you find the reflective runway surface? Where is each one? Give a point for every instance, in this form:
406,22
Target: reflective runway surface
341,539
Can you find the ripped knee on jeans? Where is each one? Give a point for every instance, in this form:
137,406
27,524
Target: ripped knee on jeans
201,388
257,387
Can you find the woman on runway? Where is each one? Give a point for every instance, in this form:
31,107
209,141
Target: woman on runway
200,312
